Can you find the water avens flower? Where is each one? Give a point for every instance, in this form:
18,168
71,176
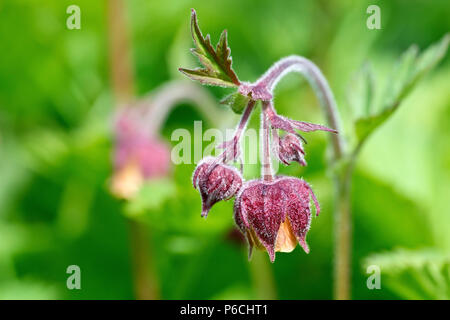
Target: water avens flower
138,155
273,212
215,182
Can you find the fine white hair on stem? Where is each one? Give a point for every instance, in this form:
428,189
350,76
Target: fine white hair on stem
317,81
265,129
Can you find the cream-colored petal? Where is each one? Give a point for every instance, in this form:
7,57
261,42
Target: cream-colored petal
127,181
286,241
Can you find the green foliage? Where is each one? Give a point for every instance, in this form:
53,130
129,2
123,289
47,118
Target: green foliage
236,101
405,75
151,196
414,274
217,69
56,148
361,91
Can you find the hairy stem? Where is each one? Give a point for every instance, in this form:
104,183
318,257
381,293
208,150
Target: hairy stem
267,171
244,119
342,216
123,87
230,147
321,88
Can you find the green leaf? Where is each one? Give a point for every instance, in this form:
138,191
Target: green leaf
204,77
414,274
365,126
216,63
236,101
360,92
406,74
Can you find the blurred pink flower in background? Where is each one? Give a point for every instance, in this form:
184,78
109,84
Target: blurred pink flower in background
139,155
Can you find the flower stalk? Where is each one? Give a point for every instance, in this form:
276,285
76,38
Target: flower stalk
342,183
267,172
286,199
145,286
274,213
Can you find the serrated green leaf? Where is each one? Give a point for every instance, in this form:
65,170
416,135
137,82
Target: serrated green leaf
236,101
407,73
204,77
217,62
360,92
400,259
365,126
400,76
414,274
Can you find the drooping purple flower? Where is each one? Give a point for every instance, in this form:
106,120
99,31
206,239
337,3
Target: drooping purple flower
138,156
275,214
151,155
215,181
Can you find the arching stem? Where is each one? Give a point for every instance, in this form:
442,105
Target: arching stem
321,88
342,216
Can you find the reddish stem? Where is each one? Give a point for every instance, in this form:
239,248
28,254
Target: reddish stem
343,220
123,86
320,85
230,147
267,172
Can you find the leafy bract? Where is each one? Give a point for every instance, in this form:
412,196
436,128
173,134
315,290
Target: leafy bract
216,63
407,73
236,101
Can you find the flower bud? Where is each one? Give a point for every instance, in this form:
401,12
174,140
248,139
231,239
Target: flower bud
275,214
215,182
290,148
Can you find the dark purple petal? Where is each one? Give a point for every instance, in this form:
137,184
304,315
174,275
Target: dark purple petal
298,208
290,148
313,196
262,206
263,209
242,226
216,182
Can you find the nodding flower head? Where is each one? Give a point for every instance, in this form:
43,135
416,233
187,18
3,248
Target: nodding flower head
215,181
276,214
138,157
290,148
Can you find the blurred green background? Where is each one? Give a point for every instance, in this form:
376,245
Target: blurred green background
56,103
